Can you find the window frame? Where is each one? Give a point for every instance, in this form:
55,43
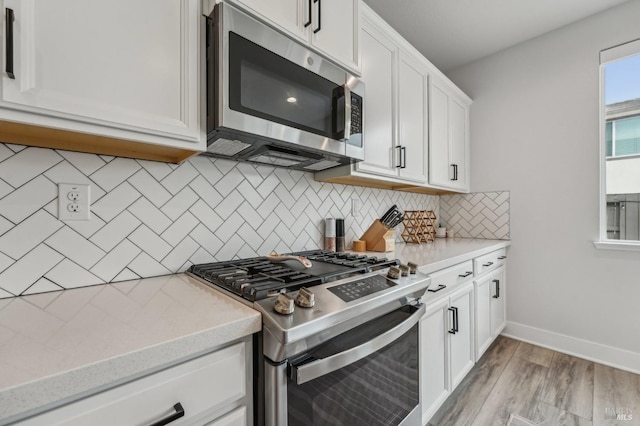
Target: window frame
607,56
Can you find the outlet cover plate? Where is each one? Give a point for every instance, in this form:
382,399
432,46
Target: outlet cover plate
76,207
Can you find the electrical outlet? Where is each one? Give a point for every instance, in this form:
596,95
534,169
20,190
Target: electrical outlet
355,207
73,201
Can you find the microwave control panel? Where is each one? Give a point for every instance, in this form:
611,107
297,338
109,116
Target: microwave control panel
356,114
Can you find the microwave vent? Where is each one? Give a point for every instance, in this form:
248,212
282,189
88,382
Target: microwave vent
322,165
227,147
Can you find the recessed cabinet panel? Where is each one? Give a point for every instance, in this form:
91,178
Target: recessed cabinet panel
287,14
462,353
483,315
448,136
412,118
433,359
334,30
458,152
439,168
378,70
132,65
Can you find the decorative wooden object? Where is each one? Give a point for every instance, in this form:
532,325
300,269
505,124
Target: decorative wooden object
419,226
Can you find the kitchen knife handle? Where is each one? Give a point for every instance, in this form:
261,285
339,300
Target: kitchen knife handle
306,24
173,417
9,18
319,16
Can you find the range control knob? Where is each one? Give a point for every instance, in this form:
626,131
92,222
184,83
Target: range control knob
284,305
413,268
305,298
404,270
394,273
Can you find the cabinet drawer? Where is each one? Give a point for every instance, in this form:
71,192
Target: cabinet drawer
489,261
452,275
200,386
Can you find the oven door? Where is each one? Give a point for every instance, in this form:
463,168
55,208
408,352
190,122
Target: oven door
271,86
367,376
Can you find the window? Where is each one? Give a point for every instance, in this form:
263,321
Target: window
620,147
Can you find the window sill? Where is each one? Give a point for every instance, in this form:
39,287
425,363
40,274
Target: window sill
617,245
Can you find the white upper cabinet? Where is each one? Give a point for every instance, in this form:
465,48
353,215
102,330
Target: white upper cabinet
118,69
330,26
395,103
412,118
378,75
448,136
416,122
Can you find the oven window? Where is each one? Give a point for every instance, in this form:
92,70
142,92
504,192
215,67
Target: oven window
265,85
381,389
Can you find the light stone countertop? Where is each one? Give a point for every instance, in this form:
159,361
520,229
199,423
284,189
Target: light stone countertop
441,253
56,347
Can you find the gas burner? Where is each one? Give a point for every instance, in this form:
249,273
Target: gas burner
259,277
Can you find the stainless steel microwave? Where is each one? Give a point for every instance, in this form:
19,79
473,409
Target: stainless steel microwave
272,100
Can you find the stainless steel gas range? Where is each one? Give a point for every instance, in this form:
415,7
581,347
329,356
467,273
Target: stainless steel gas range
340,341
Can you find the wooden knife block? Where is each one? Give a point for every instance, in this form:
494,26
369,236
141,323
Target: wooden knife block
379,238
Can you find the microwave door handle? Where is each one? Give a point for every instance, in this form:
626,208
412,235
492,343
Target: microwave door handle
310,371
347,113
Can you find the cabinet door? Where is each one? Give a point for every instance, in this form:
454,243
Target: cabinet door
335,29
458,139
440,171
498,305
378,73
120,64
462,354
433,359
483,315
289,15
412,118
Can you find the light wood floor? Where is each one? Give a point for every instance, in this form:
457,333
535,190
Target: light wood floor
518,384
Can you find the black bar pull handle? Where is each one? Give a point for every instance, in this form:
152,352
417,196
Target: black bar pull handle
454,311
403,150
399,165
8,27
455,172
465,275
497,295
319,16
502,257
440,287
487,264
306,24
173,417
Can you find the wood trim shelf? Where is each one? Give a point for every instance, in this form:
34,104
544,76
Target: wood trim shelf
43,137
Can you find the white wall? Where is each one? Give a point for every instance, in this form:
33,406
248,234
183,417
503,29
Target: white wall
534,132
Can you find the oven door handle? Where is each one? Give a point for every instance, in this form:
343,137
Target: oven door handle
307,372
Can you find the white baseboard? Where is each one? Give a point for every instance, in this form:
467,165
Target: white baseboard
592,351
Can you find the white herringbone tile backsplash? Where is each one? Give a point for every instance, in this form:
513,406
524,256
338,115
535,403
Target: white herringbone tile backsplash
150,218
478,215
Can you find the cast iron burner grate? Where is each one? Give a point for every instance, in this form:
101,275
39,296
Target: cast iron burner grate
257,278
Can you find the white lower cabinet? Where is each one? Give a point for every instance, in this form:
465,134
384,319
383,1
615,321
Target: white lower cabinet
447,338
464,316
214,389
490,309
